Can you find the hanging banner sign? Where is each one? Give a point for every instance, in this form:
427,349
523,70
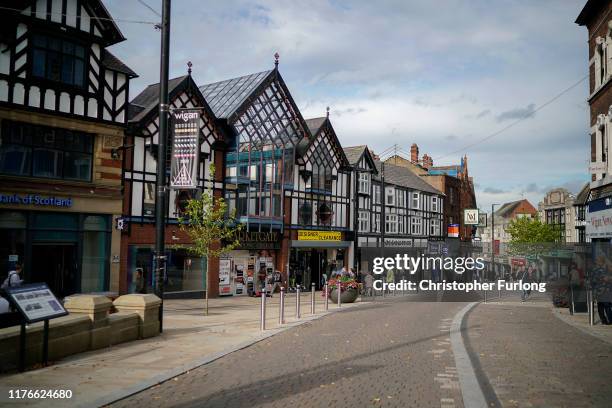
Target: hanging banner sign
185,163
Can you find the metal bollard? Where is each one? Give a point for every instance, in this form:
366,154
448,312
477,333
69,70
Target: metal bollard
281,312
312,299
262,325
339,294
297,303
326,297
590,307
485,296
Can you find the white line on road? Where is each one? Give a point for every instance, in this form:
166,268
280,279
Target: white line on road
473,397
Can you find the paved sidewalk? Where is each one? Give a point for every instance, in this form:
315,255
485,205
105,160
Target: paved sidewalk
526,357
190,339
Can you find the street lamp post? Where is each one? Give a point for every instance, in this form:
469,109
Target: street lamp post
493,238
160,181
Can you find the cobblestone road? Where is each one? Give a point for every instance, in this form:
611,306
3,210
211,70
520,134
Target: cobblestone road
533,359
392,353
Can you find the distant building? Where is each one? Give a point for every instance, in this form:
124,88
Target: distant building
580,205
596,16
454,181
503,216
557,208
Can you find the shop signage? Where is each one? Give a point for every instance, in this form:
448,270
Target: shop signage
482,220
398,243
33,199
258,240
470,216
185,163
308,235
598,167
453,231
599,221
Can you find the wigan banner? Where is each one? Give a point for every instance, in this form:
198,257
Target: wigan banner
184,166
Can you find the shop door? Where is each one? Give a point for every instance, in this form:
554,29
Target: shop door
55,264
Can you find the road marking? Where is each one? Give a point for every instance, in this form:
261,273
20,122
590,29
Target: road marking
473,397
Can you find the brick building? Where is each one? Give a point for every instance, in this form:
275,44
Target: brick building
596,16
453,180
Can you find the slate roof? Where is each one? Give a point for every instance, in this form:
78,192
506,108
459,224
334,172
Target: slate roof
225,97
149,98
401,176
583,195
114,63
353,153
315,124
506,209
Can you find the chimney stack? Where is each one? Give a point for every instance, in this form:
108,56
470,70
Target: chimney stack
427,161
414,153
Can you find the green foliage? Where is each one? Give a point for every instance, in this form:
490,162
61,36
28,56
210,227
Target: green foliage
532,237
209,225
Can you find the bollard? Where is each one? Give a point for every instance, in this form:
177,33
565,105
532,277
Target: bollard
326,297
339,290
312,299
262,326
281,312
485,296
297,303
590,307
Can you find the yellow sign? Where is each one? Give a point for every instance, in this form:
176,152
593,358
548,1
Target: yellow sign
307,235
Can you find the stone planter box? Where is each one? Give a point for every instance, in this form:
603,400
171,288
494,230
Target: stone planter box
347,296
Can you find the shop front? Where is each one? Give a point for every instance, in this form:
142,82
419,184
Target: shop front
315,253
258,251
60,240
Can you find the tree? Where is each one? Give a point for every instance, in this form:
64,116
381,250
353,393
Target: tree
211,228
532,237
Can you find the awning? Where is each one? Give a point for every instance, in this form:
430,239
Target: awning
320,244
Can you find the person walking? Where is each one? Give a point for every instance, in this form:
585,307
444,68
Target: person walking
369,284
602,288
277,281
140,284
525,278
14,277
390,278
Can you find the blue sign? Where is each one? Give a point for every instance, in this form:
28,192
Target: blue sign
33,199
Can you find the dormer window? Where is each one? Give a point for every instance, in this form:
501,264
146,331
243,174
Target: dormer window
58,60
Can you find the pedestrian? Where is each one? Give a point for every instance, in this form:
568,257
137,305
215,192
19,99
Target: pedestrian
261,280
140,285
602,288
369,284
390,278
323,279
14,277
277,280
351,273
525,278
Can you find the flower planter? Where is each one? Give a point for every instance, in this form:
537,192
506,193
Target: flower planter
347,296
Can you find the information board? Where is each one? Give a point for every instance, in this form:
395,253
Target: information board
36,302
185,164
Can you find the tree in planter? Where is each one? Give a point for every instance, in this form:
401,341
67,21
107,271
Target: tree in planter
211,228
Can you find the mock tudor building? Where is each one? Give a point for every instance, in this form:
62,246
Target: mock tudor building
597,18
185,272
63,112
392,197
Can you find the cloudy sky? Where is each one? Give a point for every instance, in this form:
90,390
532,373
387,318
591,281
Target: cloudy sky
442,74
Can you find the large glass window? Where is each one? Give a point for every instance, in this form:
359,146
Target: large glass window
95,253
41,151
58,60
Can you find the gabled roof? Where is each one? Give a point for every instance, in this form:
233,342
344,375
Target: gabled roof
146,103
355,153
111,33
401,176
226,97
590,8
583,195
316,126
507,208
149,99
114,63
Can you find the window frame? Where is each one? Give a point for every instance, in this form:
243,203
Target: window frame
47,50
